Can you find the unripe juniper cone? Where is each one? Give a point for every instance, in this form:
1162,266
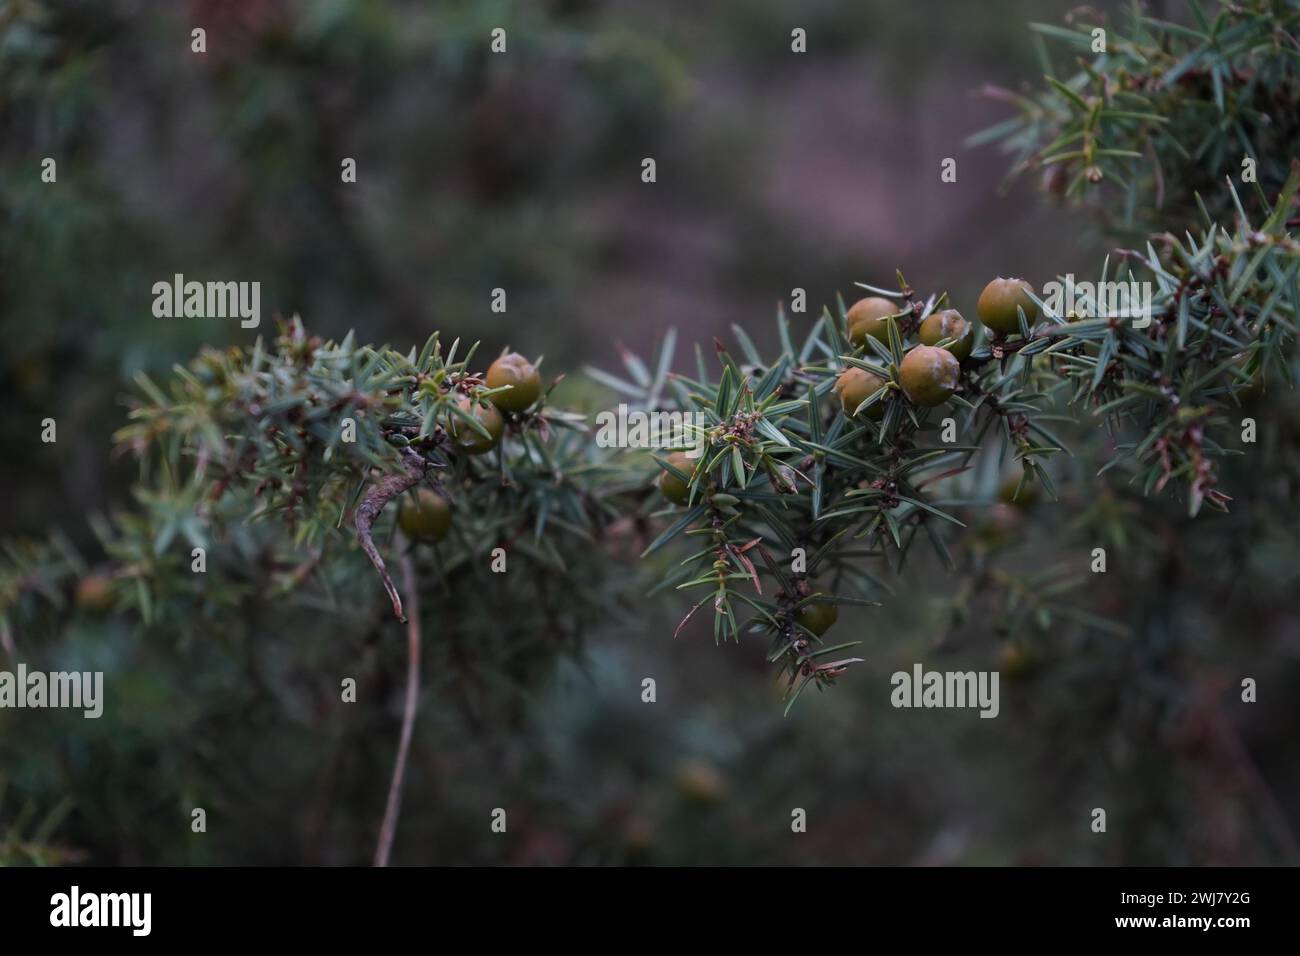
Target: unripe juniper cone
428,518
866,317
948,324
469,439
1007,492
95,594
818,618
1000,527
999,301
1014,662
672,487
701,782
855,386
525,383
928,375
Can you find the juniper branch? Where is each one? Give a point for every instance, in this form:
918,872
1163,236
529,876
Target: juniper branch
381,491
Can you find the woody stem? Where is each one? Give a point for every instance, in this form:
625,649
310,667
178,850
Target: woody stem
388,829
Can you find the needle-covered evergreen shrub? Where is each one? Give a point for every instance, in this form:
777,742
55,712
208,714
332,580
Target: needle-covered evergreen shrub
1135,422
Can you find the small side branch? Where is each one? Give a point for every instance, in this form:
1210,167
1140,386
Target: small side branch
372,503
388,829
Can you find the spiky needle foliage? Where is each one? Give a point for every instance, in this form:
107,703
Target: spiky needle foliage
279,463
252,439
796,490
1221,332
1139,119
793,490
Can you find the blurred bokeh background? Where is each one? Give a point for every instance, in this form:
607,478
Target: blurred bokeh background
522,171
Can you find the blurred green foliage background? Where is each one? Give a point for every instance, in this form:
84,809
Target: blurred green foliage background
522,171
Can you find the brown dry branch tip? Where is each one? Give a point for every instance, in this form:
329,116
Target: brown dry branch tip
380,492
